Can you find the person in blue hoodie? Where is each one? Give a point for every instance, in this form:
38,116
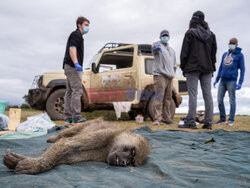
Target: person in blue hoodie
231,62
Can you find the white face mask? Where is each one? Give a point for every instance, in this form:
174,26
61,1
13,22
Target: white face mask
231,46
85,29
164,39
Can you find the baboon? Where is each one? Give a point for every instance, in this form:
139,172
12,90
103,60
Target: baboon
93,140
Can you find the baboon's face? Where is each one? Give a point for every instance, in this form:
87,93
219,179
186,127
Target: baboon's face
122,156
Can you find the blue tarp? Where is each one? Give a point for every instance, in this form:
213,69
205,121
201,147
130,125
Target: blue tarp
178,159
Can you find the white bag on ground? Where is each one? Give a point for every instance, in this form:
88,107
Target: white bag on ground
37,123
4,122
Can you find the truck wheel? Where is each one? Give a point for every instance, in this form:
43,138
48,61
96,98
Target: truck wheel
151,113
55,105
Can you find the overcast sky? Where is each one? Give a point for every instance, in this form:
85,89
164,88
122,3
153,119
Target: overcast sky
33,34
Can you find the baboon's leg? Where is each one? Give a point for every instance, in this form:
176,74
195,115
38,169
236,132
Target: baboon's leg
84,141
11,159
74,130
46,161
99,155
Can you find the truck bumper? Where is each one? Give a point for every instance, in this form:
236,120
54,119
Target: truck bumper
37,98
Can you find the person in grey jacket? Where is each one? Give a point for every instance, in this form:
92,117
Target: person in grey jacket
164,71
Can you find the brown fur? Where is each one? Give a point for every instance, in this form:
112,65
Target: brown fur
88,141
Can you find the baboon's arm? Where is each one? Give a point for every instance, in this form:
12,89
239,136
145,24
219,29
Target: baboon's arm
73,130
94,140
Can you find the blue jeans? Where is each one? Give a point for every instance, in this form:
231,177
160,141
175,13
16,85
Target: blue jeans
229,86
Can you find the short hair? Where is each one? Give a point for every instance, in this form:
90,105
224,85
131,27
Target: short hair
233,40
80,20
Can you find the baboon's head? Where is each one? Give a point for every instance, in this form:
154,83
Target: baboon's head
122,156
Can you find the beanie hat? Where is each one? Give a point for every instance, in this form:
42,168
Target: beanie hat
199,15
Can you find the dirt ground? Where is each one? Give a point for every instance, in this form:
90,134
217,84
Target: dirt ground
242,123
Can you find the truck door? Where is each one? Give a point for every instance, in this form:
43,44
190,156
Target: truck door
115,77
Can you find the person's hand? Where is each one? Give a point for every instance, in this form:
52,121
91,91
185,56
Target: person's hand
215,84
78,66
157,48
238,87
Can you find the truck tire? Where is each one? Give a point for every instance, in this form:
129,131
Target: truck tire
55,105
150,112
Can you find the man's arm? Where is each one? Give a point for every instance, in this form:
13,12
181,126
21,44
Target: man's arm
213,52
220,69
73,43
185,50
156,48
242,69
73,54
175,64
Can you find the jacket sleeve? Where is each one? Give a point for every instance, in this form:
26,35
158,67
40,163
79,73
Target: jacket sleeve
213,52
242,69
185,50
155,52
175,63
220,69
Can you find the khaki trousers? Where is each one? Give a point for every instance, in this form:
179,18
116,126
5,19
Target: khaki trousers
162,98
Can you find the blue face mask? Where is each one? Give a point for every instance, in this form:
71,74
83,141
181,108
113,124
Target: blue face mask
231,46
164,39
85,29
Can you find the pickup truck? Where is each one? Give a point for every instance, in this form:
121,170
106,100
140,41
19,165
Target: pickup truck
118,73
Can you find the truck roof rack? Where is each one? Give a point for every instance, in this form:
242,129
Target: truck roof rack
145,49
111,45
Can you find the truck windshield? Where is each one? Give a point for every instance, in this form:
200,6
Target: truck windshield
93,60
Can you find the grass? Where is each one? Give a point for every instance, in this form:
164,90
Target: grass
242,123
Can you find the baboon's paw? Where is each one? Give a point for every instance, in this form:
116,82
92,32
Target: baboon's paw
11,159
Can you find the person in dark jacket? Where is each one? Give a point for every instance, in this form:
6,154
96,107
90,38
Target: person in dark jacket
198,58
231,62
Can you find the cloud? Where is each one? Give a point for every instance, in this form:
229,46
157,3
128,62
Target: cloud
33,34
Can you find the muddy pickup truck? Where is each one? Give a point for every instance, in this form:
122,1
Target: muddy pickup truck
118,73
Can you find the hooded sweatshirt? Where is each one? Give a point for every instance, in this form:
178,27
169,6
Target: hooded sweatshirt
165,61
231,62
198,53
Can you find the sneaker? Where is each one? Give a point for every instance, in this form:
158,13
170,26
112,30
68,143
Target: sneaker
68,121
207,126
156,123
188,125
168,122
79,120
220,122
230,123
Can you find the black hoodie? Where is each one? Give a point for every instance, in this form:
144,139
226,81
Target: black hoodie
198,53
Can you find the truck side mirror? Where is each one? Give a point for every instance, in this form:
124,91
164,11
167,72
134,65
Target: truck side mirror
93,68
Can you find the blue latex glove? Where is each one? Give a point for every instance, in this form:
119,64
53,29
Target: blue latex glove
238,87
78,66
215,84
157,48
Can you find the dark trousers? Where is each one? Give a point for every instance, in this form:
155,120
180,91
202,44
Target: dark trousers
192,86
